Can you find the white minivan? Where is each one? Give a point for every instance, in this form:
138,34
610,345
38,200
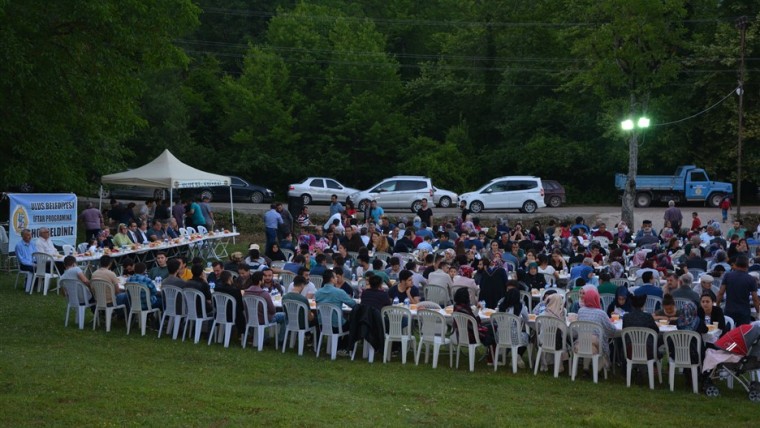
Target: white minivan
524,193
401,191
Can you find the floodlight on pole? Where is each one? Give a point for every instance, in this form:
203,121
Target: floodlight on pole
627,125
643,122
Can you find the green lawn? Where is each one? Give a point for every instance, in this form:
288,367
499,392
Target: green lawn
51,375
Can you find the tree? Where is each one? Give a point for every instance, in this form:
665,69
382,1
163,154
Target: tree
630,51
71,80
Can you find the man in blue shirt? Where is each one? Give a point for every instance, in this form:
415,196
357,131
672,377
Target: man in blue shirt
584,270
335,206
24,250
333,295
272,220
647,288
375,211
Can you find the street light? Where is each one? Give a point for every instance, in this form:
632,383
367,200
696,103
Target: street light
629,191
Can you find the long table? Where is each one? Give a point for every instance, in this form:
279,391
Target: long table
205,246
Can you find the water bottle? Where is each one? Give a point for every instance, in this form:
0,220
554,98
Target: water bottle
483,304
353,277
275,292
406,302
208,265
395,301
708,320
212,285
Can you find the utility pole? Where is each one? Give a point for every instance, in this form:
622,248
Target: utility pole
741,24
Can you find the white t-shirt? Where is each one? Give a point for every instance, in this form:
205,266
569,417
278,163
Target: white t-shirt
310,288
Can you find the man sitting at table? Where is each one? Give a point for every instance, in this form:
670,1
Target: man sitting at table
340,281
74,272
638,318
269,283
172,267
309,289
646,235
24,250
706,284
405,288
216,271
160,268
321,266
44,244
243,280
377,269
156,233
330,294
647,288
142,233
296,294
140,277
172,230
104,273
297,263
256,290
198,282
684,290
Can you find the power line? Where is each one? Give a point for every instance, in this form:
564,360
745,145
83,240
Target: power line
701,112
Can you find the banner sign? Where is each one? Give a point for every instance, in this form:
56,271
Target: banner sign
191,184
57,212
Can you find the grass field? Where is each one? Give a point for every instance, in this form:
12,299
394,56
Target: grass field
51,375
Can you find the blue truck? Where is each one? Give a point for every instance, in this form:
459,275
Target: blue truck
688,184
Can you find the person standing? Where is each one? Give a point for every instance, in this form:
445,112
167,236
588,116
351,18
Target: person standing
375,211
178,212
425,213
286,228
93,221
272,221
208,215
725,207
738,287
194,214
674,216
335,206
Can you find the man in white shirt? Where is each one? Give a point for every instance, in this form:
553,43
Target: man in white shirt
44,244
309,289
441,276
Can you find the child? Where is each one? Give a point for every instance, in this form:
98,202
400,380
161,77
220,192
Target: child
696,223
725,205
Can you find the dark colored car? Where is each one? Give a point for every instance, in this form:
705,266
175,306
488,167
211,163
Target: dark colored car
554,193
133,193
241,191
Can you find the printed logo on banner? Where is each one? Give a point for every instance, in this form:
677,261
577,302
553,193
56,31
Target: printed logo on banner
20,219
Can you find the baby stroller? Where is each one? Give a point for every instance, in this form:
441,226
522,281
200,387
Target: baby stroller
737,356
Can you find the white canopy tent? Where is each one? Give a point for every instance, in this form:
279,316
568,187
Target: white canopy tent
166,171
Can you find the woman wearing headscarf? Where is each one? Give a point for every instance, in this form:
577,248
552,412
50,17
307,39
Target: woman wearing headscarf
555,307
592,311
578,304
493,282
617,270
621,304
512,304
462,305
639,257
464,279
534,279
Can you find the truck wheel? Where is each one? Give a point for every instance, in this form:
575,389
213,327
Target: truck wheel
715,199
643,200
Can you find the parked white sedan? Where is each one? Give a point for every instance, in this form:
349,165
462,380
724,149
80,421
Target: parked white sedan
319,189
444,198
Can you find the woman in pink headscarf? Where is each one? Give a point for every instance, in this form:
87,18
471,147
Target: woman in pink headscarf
591,310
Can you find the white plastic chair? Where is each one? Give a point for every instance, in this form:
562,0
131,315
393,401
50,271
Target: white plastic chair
326,312
433,329
190,230
473,291
681,350
174,310
464,325
606,299
527,299
550,279
584,334
82,248
288,254
548,329
317,281
254,304
77,297
223,302
202,230
395,331
68,250
102,289
138,295
183,232
681,302
730,324
295,313
193,299
509,329
28,280
43,263
620,281
640,339
286,278
652,303
437,294
382,255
